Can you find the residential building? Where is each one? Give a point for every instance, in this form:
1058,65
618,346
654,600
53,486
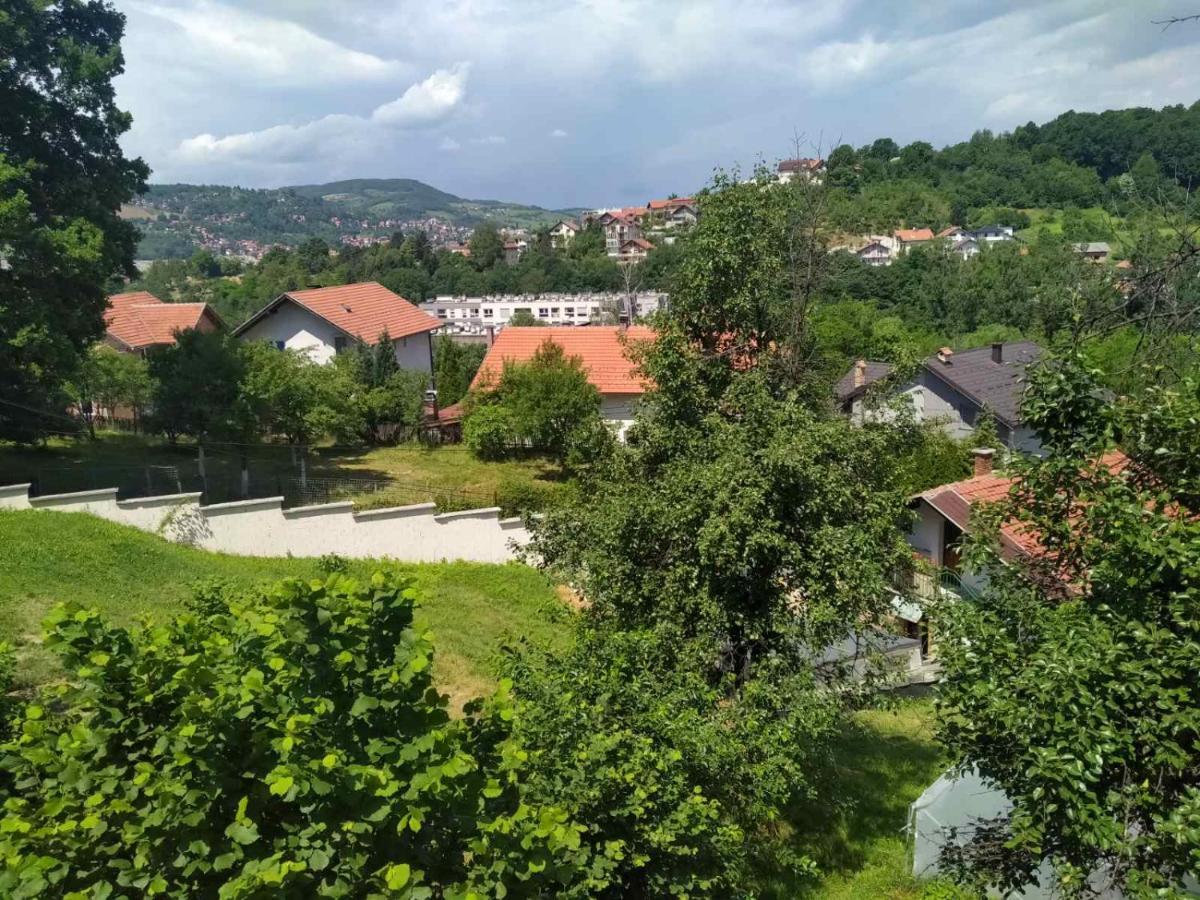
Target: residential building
966,247
136,321
1095,250
875,254
513,251
953,234
798,168
323,322
907,238
990,234
563,233
618,230
603,351
954,389
635,250
473,316
675,212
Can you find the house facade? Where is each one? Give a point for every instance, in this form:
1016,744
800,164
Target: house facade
562,234
954,389
875,254
323,322
603,351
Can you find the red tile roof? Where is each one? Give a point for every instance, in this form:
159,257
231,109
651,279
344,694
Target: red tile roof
640,243
138,319
908,235
671,203
600,347
365,311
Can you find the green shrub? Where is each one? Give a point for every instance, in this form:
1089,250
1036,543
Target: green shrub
7,670
287,743
489,431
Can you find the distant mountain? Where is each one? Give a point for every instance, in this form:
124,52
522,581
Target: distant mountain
177,219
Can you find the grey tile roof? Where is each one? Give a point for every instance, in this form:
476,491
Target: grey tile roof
845,388
971,373
998,386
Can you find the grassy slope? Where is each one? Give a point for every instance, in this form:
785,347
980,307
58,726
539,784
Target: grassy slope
49,557
886,759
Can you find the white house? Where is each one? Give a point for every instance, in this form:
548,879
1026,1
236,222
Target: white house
992,233
474,315
603,351
563,233
875,254
325,321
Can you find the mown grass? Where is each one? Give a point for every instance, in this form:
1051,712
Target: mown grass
408,473
51,557
885,759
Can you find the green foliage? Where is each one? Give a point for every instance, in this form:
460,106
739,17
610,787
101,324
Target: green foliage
523,318
454,366
679,789
8,667
288,742
63,178
487,246
289,394
539,405
109,379
1071,683
197,387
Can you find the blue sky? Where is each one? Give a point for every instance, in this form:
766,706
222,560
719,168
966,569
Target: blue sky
607,102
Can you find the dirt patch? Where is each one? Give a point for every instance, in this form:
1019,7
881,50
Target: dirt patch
571,597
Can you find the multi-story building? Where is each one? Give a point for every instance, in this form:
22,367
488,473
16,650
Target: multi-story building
475,315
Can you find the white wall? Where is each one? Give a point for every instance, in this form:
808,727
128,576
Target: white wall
926,533
300,330
618,410
263,528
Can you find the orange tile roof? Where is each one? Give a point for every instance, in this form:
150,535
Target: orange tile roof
138,319
365,310
673,201
909,235
640,243
600,347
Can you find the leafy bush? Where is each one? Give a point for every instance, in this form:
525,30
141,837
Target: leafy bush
489,431
7,669
287,743
680,786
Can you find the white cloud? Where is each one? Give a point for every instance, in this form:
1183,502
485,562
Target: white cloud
215,37
425,103
430,101
449,143
558,133
490,139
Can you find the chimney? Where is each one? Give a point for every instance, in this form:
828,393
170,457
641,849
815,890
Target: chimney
491,334
944,355
997,352
983,460
860,373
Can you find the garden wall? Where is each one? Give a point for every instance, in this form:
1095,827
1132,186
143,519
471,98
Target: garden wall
264,528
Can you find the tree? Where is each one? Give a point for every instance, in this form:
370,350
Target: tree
197,387
108,380
546,402
523,318
288,393
287,742
454,367
63,178
487,246
1071,683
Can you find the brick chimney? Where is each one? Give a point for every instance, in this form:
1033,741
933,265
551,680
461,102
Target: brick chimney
983,460
860,373
997,352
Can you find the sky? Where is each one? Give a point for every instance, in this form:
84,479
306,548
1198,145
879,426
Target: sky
611,102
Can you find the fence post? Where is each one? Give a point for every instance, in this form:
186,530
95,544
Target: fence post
303,468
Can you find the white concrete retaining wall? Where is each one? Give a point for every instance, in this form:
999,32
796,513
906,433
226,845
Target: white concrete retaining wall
264,528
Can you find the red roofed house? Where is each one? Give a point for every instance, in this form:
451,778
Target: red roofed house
603,350
136,321
674,212
325,321
620,229
908,237
635,250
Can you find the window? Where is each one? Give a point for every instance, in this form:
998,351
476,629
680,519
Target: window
569,312
339,344
441,313
543,312
487,312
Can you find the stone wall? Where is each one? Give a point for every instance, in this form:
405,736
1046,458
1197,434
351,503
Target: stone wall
264,528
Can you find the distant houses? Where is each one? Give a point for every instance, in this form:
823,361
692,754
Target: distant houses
323,322
137,321
472,319
883,250
789,169
955,390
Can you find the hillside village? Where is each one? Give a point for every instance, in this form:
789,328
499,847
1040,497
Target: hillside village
828,532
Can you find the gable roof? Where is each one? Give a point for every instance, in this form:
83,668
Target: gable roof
601,348
138,319
363,311
671,203
640,243
971,373
910,235
957,500
799,165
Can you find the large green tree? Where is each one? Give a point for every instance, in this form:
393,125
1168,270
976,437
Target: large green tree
63,178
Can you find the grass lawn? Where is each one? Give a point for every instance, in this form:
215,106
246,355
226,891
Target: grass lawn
886,758
50,557
371,476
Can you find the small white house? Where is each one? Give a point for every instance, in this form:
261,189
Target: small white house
323,322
